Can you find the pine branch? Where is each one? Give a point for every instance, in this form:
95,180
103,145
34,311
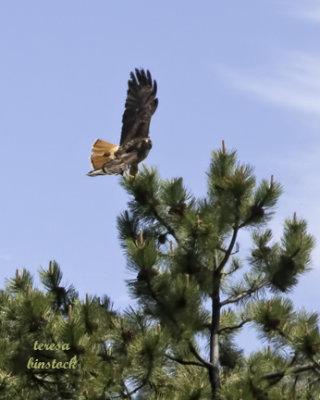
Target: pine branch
233,327
232,270
160,303
133,391
169,228
213,369
183,362
244,294
296,370
197,355
229,250
225,251
128,393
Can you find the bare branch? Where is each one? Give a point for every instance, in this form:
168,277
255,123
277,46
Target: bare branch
233,327
180,361
254,288
225,251
231,271
229,250
197,355
296,370
170,230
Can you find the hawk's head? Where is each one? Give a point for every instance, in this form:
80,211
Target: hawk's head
144,148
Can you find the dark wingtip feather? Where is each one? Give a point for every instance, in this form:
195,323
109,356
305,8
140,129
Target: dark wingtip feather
142,77
155,87
139,75
133,80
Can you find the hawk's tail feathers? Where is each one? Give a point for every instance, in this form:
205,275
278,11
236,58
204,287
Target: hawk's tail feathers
102,152
96,172
113,170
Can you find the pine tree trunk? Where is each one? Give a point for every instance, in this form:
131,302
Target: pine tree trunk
214,340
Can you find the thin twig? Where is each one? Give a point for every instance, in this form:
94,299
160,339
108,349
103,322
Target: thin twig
296,370
180,361
233,327
229,250
243,294
165,224
197,355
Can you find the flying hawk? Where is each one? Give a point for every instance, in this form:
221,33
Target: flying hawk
135,144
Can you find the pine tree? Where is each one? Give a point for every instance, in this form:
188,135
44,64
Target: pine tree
41,332
190,282
194,290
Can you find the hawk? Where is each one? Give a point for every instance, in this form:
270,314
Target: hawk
135,144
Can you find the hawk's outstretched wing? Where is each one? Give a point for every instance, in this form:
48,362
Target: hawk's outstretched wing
141,103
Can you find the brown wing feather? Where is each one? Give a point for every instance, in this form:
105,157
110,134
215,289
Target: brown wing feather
141,103
102,153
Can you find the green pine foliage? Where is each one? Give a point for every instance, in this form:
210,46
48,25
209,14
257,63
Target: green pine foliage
37,334
183,253
194,291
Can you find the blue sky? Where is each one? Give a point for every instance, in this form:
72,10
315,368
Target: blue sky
247,72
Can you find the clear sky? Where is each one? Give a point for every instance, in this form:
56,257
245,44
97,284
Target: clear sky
244,71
